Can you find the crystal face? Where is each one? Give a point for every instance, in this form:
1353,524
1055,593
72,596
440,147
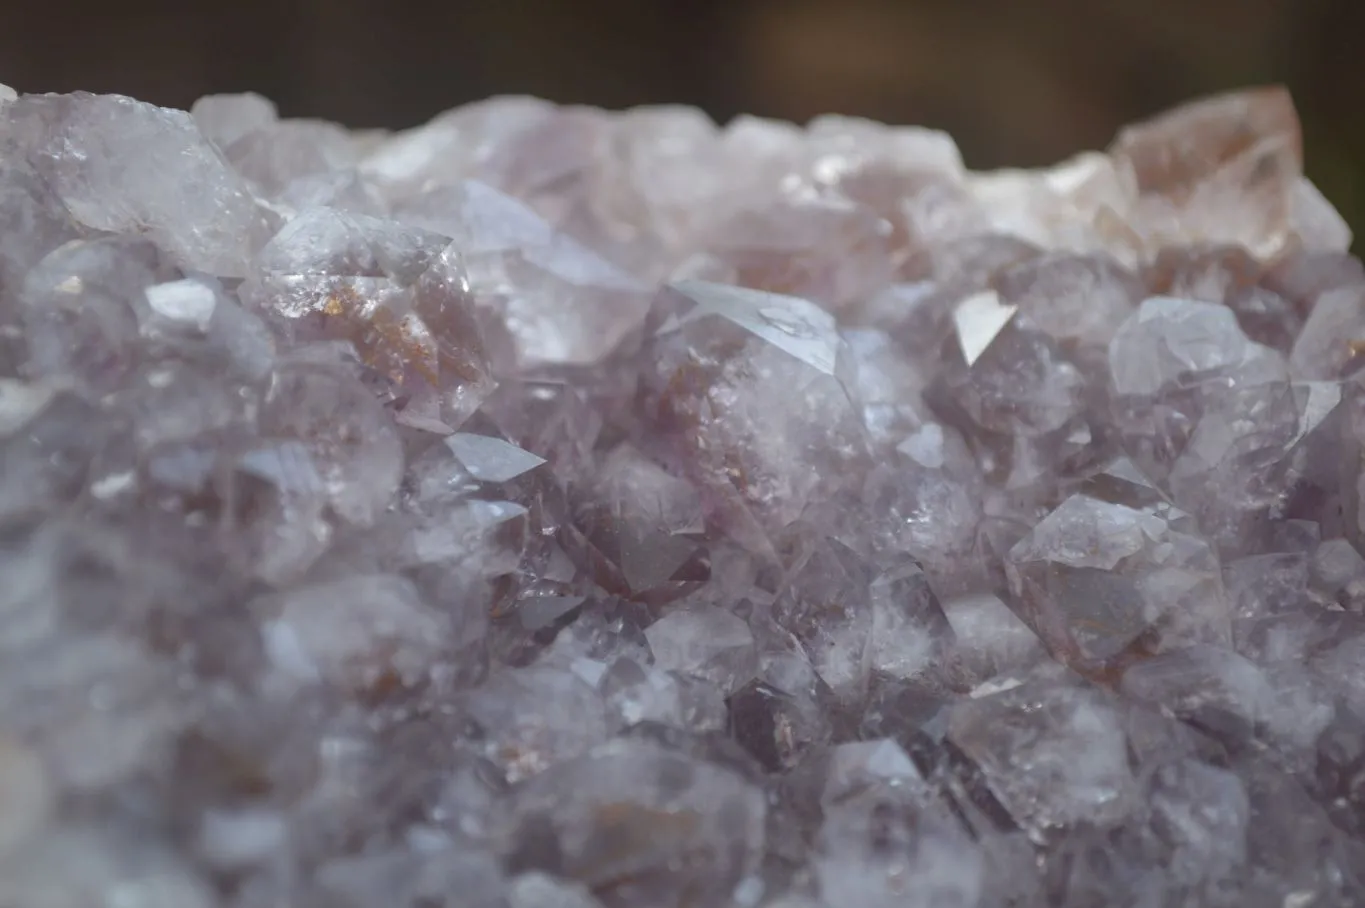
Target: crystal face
547,506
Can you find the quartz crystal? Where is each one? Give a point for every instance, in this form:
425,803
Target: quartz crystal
548,507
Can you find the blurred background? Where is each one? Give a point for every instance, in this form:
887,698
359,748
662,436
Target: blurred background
1018,83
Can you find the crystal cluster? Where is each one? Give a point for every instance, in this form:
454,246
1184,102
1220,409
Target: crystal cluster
553,508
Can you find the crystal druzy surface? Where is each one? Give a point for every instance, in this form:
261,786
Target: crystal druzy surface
553,508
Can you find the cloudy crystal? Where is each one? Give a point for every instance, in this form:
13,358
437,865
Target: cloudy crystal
740,387
121,165
706,642
1103,583
1054,764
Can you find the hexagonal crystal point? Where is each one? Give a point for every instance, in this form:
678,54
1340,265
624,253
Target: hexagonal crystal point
1103,584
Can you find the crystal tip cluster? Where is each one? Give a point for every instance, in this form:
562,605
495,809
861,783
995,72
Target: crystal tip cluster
553,508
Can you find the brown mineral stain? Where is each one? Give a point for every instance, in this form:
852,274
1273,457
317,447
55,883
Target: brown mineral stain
462,368
624,830
396,334
386,342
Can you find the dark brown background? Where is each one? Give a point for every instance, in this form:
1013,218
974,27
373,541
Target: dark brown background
1016,81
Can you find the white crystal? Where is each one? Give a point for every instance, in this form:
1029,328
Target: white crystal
26,796
979,319
186,301
790,324
354,631
491,459
21,401
1168,338
707,642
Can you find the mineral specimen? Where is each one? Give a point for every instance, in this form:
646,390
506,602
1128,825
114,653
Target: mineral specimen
554,508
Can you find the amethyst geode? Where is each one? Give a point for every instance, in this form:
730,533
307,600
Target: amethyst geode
553,508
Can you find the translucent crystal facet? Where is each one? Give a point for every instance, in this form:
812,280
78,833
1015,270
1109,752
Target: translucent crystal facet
123,166
1102,584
